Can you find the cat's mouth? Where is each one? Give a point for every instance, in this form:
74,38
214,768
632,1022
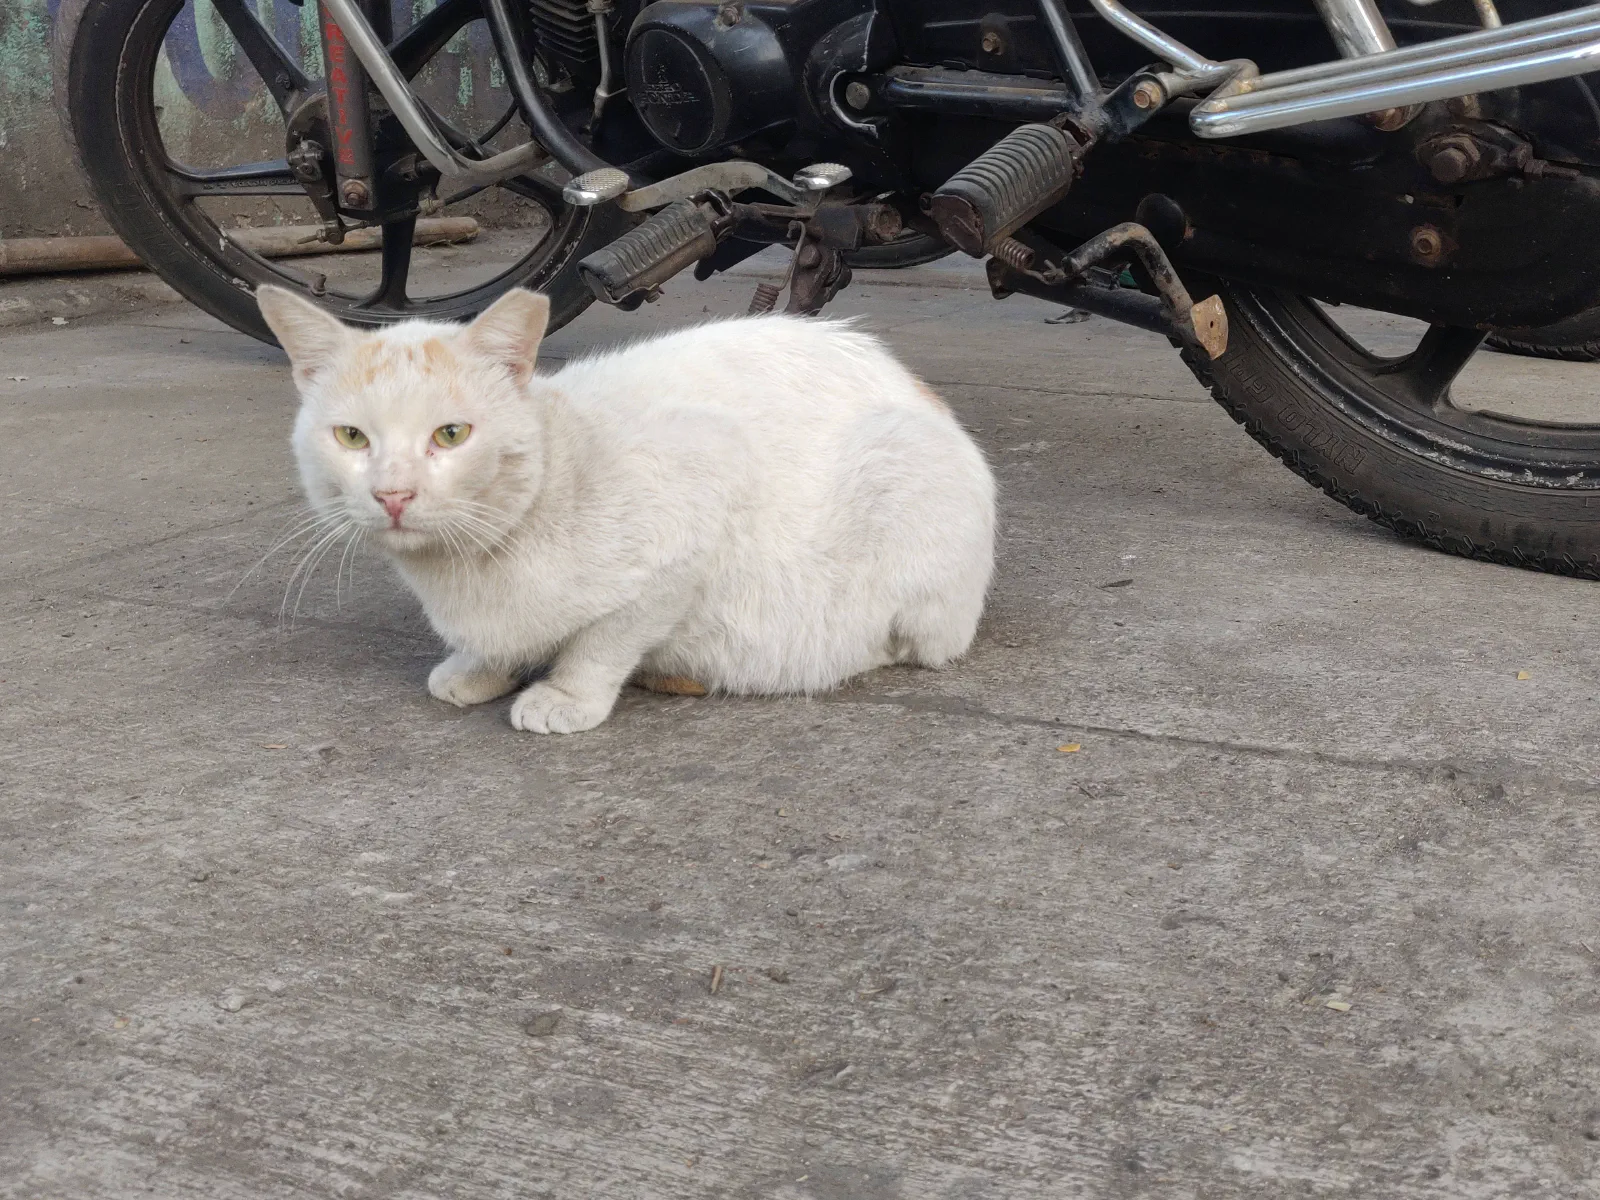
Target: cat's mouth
402,538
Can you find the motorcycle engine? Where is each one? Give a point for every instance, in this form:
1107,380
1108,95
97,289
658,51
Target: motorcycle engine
704,75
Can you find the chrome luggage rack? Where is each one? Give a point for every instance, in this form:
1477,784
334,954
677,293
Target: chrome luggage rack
1379,77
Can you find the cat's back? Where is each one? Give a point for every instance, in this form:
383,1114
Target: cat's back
781,371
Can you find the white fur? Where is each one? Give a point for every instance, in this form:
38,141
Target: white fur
764,505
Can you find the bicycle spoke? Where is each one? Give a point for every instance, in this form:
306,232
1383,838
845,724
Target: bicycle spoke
390,295
412,49
247,179
1424,376
278,71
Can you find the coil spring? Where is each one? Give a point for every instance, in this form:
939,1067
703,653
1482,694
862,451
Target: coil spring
765,298
1014,254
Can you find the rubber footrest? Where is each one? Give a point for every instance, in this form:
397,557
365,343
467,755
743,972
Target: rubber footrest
634,266
1005,187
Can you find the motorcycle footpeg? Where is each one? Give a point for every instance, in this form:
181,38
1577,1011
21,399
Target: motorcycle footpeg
1005,187
632,269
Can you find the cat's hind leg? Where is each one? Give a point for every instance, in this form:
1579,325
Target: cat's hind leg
936,631
463,680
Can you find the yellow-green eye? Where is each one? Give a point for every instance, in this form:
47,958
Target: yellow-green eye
450,435
350,437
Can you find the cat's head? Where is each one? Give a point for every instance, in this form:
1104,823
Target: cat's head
424,435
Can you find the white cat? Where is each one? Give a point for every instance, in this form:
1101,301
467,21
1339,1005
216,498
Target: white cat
764,505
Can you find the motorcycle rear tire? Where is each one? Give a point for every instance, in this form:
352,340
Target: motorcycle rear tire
1362,449
1577,339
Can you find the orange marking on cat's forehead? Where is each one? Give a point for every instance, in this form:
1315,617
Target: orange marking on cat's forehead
377,357
435,354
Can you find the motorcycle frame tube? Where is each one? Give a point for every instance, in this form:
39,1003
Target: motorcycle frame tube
349,118
364,43
1075,63
542,120
1172,51
1357,27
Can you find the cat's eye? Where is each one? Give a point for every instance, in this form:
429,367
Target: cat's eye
450,435
350,437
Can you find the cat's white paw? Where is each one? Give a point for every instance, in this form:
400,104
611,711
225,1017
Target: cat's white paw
463,682
546,709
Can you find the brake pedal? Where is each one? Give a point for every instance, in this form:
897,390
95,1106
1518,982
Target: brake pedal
632,269
1005,187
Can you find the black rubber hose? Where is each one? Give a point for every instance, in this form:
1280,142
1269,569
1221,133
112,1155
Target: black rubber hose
542,121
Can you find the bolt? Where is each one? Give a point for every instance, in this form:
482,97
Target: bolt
992,43
1426,242
729,14
1390,119
355,193
305,160
1450,160
1450,165
1147,94
857,95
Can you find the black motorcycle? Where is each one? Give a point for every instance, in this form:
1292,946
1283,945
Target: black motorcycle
1229,179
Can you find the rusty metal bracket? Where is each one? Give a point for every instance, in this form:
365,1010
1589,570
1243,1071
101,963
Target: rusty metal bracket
1202,326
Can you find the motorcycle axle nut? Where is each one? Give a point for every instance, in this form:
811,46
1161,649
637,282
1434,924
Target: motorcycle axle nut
1146,95
355,193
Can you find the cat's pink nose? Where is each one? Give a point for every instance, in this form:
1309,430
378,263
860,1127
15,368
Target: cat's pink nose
394,502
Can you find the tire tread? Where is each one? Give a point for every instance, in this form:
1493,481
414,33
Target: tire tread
1390,517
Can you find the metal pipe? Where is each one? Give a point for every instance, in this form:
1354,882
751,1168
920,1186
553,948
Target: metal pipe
1488,15
1357,27
1462,47
1075,65
1147,35
976,94
366,46
541,119
602,35
1381,70
1555,47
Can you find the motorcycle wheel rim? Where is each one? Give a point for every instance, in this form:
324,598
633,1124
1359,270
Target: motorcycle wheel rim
145,148
1406,399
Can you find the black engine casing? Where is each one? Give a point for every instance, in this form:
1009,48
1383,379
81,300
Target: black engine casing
703,75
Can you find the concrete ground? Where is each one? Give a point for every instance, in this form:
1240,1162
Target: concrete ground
278,924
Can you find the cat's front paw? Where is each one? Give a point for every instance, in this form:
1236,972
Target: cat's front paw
546,709
463,681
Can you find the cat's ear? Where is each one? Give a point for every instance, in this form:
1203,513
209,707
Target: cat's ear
312,338
509,331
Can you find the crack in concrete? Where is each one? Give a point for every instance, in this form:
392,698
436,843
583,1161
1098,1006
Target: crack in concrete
111,556
954,706
1072,395
260,618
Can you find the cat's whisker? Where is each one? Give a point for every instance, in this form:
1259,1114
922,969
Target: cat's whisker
328,547
305,527
349,550
303,557
307,566
490,540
